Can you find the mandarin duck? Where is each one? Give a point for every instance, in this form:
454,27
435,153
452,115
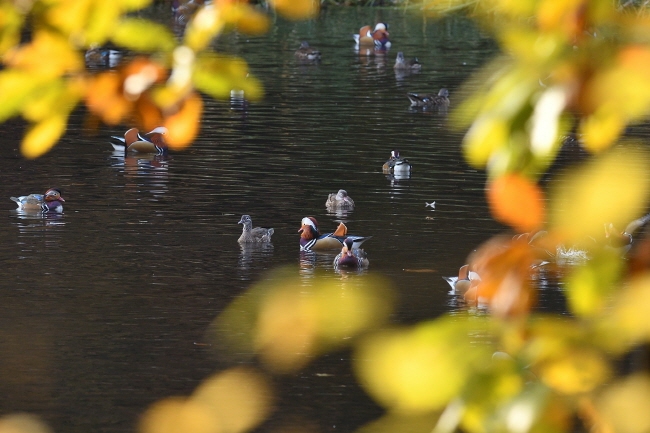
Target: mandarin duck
401,64
441,100
618,239
396,164
250,234
377,38
465,284
311,239
340,200
307,53
51,201
350,257
151,142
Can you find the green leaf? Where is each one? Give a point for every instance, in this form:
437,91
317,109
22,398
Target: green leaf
143,35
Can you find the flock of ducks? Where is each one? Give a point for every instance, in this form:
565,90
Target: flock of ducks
311,239
378,39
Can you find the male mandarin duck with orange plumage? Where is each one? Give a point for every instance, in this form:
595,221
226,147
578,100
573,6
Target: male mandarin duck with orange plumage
377,38
151,142
311,239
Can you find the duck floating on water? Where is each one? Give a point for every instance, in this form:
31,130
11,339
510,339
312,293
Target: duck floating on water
401,64
350,257
250,234
307,53
465,284
396,164
151,142
441,100
377,38
51,201
312,240
340,200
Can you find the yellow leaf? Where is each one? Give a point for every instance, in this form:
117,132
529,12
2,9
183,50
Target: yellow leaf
16,89
69,16
23,423
11,22
421,369
486,135
628,323
612,188
41,137
179,415
143,35
624,405
297,9
240,398
101,22
204,26
590,286
576,372
48,55
601,129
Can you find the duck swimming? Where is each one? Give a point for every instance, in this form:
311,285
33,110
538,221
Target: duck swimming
350,257
396,164
441,100
311,239
151,142
250,234
340,200
51,201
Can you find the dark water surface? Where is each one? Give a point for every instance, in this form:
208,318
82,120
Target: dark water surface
101,308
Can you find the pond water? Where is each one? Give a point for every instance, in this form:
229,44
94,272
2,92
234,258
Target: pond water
103,307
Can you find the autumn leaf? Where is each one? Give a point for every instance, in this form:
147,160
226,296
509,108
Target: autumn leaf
516,201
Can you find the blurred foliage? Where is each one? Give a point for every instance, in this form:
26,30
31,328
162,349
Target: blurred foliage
574,66
42,48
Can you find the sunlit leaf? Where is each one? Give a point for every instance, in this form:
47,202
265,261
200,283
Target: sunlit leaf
23,423
11,21
589,287
101,21
296,9
484,138
624,405
179,415
287,321
612,188
48,55
105,97
240,398
142,35
628,322
391,423
69,16
421,369
183,126
42,136
217,75
16,88
57,96
516,201
601,129
575,371
203,27
134,4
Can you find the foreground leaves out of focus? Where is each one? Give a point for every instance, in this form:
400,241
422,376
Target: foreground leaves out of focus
568,67
44,78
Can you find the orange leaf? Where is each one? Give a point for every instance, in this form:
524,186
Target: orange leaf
516,201
105,98
183,126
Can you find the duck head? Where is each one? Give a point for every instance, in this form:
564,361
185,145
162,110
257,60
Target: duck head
309,228
53,194
246,220
343,195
